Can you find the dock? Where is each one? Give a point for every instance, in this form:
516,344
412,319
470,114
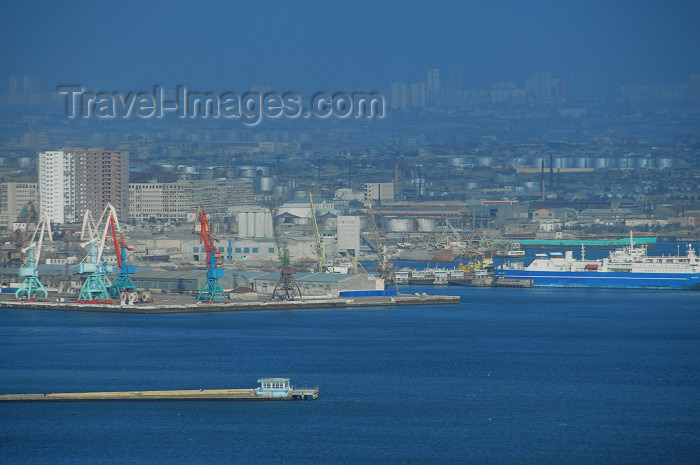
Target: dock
183,305
270,389
513,282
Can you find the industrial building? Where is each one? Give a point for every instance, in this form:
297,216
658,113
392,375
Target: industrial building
349,235
376,192
13,197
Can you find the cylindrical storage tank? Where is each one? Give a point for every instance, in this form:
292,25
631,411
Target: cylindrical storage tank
242,219
458,161
536,162
641,162
600,163
401,225
266,184
281,190
24,162
578,162
484,161
663,163
250,222
426,224
514,162
301,195
189,169
260,221
472,185
247,171
206,173
262,170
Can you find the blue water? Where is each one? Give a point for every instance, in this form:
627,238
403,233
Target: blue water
510,376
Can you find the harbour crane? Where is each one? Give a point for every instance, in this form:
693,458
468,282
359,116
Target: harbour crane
95,289
383,266
123,287
211,291
31,288
26,216
287,287
317,236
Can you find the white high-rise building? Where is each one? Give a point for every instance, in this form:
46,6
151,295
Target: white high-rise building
57,185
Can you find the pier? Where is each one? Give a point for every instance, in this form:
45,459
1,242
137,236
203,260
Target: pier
181,304
269,389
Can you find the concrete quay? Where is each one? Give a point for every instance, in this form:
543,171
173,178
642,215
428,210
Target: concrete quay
184,304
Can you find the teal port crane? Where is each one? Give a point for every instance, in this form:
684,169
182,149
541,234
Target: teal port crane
95,289
123,287
211,291
31,288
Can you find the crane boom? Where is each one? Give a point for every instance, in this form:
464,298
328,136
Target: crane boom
31,287
317,236
211,291
383,266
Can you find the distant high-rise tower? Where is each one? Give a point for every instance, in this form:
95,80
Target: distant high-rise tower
57,185
27,84
399,96
72,180
418,95
434,80
101,177
433,94
12,85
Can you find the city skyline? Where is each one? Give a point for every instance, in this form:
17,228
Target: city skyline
303,48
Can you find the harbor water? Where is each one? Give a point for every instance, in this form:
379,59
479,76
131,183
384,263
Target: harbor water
509,376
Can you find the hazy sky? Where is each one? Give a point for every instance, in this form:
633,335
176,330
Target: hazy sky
357,45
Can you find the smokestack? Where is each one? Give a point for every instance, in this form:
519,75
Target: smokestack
551,173
542,179
396,178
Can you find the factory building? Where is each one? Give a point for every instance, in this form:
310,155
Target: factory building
378,191
349,235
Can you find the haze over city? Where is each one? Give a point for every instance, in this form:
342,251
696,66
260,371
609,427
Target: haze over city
312,46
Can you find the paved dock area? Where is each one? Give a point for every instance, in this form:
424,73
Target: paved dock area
176,303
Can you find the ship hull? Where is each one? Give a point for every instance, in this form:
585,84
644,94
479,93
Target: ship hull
605,244
604,279
422,255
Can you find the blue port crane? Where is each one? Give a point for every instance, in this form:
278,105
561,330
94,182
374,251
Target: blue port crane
123,287
31,288
211,291
95,289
